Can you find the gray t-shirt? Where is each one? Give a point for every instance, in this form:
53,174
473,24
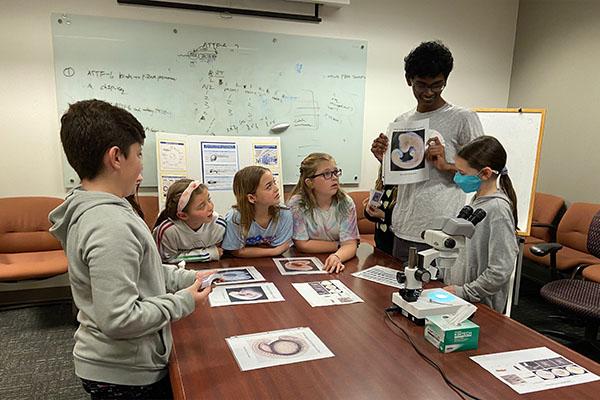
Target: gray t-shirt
419,203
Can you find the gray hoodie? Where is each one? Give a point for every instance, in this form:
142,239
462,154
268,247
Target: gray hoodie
121,290
482,270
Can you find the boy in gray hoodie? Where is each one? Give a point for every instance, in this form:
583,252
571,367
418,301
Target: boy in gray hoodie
126,297
482,271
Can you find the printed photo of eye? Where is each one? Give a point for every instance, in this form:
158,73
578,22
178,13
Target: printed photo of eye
246,294
408,150
300,265
281,347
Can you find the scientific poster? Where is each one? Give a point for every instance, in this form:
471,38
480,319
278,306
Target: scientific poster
266,155
164,181
220,162
171,154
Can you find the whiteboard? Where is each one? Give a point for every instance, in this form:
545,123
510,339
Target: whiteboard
181,156
520,131
191,79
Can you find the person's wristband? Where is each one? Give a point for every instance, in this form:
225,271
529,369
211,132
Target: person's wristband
338,257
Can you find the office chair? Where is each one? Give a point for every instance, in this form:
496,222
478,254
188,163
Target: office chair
592,272
548,209
569,254
580,299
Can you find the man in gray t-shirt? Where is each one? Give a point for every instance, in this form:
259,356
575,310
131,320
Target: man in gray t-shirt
427,68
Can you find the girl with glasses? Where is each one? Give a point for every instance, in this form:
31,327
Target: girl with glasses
324,216
257,226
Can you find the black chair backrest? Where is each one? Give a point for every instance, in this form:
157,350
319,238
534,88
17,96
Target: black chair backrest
593,239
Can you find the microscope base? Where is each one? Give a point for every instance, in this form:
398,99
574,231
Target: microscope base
417,311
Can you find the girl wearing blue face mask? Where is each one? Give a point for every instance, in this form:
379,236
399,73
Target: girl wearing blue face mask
482,270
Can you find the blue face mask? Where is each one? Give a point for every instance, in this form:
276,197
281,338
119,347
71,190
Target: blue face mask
468,183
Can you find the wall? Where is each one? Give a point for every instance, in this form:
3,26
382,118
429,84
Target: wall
556,60
479,32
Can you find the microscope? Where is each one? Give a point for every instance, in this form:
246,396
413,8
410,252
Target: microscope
447,237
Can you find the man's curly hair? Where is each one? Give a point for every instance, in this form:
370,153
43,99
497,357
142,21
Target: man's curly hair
428,60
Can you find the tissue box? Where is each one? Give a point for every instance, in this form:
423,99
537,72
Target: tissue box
448,338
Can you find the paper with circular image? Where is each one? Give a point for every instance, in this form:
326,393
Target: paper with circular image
404,160
244,294
268,349
299,265
533,370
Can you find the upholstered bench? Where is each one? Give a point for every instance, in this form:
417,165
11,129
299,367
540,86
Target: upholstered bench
33,266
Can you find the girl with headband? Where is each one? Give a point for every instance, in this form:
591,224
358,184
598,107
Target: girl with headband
189,229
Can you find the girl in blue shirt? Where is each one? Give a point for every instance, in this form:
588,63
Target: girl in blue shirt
257,226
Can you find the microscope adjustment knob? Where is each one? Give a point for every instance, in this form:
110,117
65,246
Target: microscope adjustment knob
422,275
400,277
449,243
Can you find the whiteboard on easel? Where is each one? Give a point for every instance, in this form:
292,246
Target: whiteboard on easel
520,131
213,160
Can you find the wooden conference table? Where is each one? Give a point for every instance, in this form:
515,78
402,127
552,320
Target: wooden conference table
371,361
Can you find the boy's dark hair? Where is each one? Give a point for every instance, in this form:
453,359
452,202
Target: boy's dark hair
487,151
90,127
428,60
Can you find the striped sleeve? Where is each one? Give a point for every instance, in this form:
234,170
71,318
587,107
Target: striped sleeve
166,252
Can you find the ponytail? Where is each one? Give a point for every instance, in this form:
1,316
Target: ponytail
507,187
487,151
162,217
170,210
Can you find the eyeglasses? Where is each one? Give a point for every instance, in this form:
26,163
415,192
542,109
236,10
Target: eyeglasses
329,174
271,185
435,88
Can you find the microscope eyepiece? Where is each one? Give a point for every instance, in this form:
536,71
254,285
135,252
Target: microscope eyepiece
477,216
465,212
